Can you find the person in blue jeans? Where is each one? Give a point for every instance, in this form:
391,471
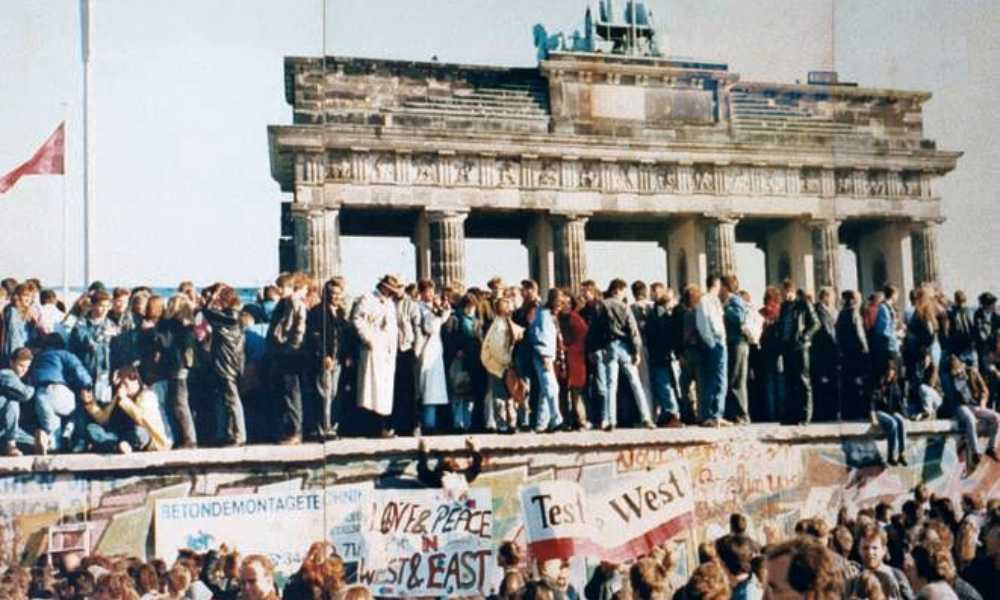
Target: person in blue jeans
59,378
624,352
661,335
887,409
712,330
14,392
543,335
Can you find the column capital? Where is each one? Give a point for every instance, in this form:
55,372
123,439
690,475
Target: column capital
824,222
442,214
570,216
927,223
723,219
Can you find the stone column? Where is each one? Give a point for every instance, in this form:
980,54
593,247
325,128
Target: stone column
569,250
923,240
790,250
826,253
685,245
316,238
720,245
883,257
446,231
541,262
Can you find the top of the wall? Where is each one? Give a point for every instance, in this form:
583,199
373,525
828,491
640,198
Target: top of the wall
357,449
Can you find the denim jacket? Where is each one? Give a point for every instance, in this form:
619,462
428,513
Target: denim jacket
62,367
12,389
543,334
91,342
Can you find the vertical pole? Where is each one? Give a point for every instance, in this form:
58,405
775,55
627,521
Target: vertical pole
65,210
89,139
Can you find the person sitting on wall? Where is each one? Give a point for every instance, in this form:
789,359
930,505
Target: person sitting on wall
971,397
131,421
59,378
14,392
887,412
449,473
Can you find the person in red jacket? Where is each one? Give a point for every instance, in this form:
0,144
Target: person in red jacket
573,371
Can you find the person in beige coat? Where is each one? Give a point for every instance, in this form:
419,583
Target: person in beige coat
498,347
375,319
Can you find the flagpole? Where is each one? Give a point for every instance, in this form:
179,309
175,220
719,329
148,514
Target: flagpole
89,140
65,211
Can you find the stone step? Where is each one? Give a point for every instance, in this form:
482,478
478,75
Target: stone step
494,91
477,107
765,124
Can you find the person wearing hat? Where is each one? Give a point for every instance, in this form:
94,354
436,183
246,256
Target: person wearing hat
376,321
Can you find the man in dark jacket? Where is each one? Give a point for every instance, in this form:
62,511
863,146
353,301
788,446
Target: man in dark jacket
228,357
734,317
624,352
596,315
523,353
825,358
660,340
325,326
798,325
852,344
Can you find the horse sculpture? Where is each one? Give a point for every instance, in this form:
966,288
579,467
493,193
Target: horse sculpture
546,43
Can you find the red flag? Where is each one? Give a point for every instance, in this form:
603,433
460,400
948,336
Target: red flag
48,160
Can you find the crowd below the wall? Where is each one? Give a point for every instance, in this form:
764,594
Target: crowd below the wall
121,370
929,550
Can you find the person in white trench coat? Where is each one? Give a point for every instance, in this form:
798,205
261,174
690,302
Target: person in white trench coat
376,322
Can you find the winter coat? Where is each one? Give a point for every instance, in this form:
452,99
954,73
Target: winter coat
228,343
91,342
376,324
498,347
622,325
660,335
432,382
887,397
797,324
61,367
574,336
734,316
324,335
176,345
17,332
851,339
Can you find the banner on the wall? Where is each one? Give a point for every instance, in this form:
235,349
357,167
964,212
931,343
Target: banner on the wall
638,513
280,525
557,522
425,543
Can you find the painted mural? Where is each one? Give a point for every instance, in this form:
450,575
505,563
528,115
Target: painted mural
775,483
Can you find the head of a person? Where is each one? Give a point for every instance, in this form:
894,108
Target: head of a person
787,290
707,553
656,291
20,361
921,493
817,529
709,582
872,546
932,562
691,295
869,586
333,292
120,300
529,290
639,290
503,307
179,309
178,580
47,297
648,579
589,291
889,293
730,284
539,590
21,298
356,592
555,300
712,284
146,580
617,289
825,296
890,370
509,555
738,523
426,290
256,578
100,305
153,308
735,553
802,569
842,540
115,586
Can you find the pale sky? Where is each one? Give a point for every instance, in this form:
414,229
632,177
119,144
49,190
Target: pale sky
186,89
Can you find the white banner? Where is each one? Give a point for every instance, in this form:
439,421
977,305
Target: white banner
637,514
431,544
557,522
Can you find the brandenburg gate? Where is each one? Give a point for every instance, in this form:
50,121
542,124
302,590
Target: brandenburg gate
607,146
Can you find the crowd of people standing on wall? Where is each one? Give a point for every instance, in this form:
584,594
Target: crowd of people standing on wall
126,369
928,550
